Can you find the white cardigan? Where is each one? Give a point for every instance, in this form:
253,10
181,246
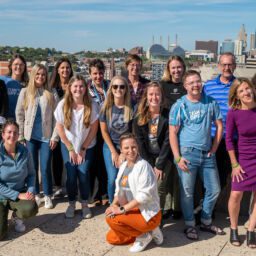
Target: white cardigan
143,185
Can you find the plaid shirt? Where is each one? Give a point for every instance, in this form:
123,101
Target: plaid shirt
135,97
97,96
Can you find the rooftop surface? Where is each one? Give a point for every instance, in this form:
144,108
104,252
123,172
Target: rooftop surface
49,233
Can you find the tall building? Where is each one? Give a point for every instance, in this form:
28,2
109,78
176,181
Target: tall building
239,47
211,46
253,41
227,46
242,36
158,70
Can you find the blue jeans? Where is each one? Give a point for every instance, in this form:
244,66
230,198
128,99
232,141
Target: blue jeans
207,169
111,172
77,173
41,150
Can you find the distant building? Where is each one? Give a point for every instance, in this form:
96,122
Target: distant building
158,70
253,41
251,63
202,55
242,36
227,46
211,46
238,47
157,52
136,50
175,49
4,68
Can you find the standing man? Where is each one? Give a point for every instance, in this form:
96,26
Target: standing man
218,89
190,122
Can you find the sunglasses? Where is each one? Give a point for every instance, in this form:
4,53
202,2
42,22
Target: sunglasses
121,87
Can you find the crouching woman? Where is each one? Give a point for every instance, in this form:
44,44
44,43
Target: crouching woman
134,216
17,180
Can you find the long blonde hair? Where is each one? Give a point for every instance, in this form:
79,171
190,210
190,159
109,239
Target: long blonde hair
143,109
68,103
109,101
32,90
233,101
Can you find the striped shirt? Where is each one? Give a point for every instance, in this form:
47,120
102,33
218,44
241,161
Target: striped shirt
219,91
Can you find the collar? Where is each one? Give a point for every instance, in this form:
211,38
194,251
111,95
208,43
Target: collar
228,84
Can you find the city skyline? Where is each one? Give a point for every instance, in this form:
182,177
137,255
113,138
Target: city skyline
74,25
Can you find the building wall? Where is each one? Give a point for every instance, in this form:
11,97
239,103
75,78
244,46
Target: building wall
211,46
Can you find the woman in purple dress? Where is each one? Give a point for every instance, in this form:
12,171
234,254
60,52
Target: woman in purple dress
241,122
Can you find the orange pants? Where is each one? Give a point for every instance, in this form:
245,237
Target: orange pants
126,227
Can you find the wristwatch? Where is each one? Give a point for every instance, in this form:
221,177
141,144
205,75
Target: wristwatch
122,210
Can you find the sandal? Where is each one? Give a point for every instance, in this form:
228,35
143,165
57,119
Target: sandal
251,239
234,238
212,229
191,233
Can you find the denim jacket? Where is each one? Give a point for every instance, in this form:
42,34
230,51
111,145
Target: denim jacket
16,175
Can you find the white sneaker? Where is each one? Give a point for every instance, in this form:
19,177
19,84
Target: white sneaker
70,212
38,200
48,202
58,192
18,224
86,212
157,236
141,243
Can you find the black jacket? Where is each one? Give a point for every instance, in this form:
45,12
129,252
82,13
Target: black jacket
141,133
3,99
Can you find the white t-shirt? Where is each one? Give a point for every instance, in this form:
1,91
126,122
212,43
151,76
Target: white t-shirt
78,132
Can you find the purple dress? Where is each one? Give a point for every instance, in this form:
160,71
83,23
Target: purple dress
243,122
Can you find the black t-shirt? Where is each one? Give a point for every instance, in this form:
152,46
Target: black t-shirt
172,92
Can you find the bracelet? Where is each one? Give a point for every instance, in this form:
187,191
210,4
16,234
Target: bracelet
235,165
177,160
122,210
70,148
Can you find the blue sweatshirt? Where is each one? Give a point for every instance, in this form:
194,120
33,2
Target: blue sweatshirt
16,175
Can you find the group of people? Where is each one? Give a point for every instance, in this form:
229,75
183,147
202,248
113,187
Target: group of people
145,142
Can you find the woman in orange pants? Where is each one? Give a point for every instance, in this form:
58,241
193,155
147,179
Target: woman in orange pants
134,216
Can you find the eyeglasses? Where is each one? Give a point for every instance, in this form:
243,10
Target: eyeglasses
227,65
121,86
198,82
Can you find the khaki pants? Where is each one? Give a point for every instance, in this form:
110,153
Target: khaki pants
23,209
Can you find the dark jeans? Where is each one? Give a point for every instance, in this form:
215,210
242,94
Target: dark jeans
223,163
57,165
98,171
42,150
77,173
23,208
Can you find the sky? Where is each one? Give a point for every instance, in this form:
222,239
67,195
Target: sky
96,25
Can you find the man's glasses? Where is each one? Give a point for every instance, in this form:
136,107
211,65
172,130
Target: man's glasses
121,86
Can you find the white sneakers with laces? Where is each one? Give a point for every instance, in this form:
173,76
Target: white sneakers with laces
141,242
157,236
48,202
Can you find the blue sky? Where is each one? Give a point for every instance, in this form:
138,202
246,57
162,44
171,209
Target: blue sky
74,25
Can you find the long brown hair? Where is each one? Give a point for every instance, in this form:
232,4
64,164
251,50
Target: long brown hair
68,103
143,109
233,101
109,101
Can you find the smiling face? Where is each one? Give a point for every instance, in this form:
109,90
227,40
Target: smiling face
78,89
40,78
118,88
134,68
245,94
10,135
226,66
64,70
193,85
18,68
176,70
97,75
154,97
129,148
